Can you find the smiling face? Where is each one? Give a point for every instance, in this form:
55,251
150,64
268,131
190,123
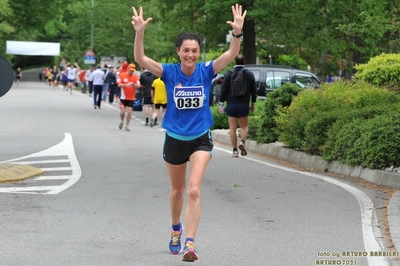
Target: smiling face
189,52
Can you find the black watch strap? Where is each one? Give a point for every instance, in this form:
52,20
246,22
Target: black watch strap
239,35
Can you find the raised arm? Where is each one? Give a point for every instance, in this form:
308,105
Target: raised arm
238,20
139,24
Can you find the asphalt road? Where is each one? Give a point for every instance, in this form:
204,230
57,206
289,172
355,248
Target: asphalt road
104,197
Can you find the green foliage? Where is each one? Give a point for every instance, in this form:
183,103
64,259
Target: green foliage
5,12
371,143
293,60
306,123
220,120
350,31
383,70
281,97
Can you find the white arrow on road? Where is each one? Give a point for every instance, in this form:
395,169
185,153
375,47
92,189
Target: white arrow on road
64,148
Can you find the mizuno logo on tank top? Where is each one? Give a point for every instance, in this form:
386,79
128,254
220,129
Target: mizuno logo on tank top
182,93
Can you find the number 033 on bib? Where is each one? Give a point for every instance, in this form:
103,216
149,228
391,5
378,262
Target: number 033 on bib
191,97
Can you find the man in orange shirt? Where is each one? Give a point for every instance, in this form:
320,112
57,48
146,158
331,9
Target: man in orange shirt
128,82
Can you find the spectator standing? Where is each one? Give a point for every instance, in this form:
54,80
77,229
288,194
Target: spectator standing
146,80
71,73
187,121
238,107
159,99
128,82
98,78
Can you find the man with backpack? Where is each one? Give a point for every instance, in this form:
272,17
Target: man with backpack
237,88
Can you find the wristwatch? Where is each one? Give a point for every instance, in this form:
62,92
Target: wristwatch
239,35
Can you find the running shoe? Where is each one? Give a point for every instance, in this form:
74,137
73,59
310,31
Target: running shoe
121,125
151,122
235,154
189,253
243,151
175,245
127,128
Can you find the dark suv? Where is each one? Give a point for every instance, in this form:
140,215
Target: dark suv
270,77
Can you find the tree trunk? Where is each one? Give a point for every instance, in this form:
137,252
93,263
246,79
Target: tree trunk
249,42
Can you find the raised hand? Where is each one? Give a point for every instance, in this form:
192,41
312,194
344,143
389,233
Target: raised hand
138,23
238,18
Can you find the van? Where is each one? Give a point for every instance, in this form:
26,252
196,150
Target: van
270,77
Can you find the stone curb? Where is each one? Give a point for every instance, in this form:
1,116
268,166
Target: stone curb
14,172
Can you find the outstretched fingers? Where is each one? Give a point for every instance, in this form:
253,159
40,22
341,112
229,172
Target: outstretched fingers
238,17
237,10
137,19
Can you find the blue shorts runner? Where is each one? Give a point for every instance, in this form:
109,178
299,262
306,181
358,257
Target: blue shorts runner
177,151
237,110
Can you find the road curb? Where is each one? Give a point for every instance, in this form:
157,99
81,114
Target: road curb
15,172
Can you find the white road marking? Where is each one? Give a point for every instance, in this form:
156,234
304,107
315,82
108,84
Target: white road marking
369,221
56,169
39,162
53,177
64,148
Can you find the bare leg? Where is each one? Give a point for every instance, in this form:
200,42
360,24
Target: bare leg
244,129
198,164
232,131
177,175
122,113
129,116
155,113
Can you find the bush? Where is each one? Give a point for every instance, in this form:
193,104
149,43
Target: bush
281,97
383,70
305,124
371,143
220,121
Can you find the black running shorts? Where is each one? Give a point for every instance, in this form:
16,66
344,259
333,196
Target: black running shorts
178,151
127,103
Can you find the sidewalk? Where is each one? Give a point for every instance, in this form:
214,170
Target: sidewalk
378,177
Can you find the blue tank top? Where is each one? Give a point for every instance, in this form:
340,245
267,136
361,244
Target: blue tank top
188,111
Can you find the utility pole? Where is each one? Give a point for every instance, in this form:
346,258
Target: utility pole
91,33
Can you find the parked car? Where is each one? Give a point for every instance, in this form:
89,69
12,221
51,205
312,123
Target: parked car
271,77
215,89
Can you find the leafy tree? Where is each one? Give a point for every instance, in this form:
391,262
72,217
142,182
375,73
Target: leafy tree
6,16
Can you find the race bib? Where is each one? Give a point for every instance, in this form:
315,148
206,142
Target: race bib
191,97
